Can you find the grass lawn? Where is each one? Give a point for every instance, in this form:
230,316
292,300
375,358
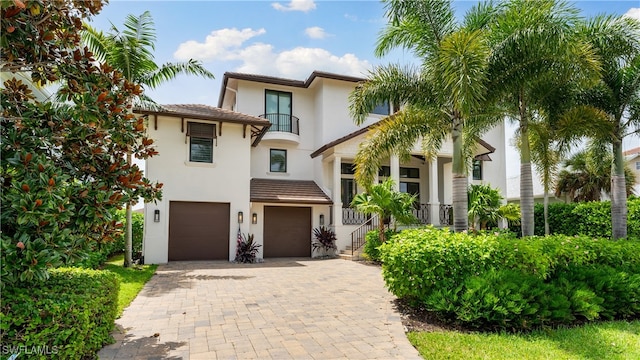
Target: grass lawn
606,340
131,279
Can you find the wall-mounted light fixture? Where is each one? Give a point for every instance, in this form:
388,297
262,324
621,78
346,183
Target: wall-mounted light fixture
156,215
254,218
240,217
321,219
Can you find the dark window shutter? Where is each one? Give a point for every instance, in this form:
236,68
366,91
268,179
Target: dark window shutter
200,130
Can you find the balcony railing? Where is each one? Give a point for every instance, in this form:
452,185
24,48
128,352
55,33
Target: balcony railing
421,212
446,214
283,123
352,217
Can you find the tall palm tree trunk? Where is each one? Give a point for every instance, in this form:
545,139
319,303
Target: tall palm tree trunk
526,181
128,235
619,194
546,211
460,180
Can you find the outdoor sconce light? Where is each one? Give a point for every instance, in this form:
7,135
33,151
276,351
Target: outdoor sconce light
240,217
254,218
321,219
156,215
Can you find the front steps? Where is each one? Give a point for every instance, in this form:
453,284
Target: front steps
346,254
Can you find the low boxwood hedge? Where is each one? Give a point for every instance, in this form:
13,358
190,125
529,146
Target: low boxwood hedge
493,280
70,316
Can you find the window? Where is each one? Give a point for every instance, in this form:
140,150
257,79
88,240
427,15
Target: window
637,165
385,171
348,169
477,169
410,173
278,160
277,107
201,142
412,188
348,191
382,109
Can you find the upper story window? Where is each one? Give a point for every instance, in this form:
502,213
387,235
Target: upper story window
477,169
384,171
277,108
382,109
637,165
410,173
201,142
278,160
348,169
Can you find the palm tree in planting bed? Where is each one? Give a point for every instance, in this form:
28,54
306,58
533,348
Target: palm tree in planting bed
445,97
131,52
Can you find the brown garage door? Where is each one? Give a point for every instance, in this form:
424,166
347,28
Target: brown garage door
198,231
287,231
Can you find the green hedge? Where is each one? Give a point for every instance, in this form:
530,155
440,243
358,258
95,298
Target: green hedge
102,251
372,242
70,316
491,280
591,218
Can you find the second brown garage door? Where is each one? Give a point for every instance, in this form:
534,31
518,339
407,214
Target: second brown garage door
287,231
198,231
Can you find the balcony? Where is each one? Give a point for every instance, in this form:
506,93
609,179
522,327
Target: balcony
284,127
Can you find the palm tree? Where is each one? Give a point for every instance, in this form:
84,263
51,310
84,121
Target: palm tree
587,175
617,43
382,200
533,47
443,98
131,52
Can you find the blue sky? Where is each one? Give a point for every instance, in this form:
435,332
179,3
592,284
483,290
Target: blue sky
287,38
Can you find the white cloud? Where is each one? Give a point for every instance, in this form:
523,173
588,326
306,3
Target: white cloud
296,5
316,32
264,59
633,13
221,44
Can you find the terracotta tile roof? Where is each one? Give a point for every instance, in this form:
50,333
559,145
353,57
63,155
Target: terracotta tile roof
206,112
633,151
288,191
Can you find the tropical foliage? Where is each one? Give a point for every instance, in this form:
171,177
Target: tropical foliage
444,98
587,175
486,209
382,200
130,51
324,238
64,171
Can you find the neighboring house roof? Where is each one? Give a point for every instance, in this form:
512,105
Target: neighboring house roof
282,81
205,112
287,191
325,147
632,151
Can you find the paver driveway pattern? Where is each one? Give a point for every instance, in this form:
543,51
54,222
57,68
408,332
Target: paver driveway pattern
280,309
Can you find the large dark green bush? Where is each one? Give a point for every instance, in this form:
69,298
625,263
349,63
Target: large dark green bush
590,218
101,251
70,316
493,280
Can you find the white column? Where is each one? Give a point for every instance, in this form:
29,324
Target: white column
394,164
337,198
434,201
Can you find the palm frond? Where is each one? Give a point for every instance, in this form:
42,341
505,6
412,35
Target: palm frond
170,71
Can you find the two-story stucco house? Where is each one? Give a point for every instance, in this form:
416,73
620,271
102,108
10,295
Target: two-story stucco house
274,159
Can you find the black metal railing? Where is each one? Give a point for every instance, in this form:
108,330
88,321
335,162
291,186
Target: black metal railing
352,217
359,235
283,123
421,212
446,214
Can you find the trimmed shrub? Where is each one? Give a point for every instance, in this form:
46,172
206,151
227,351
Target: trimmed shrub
70,316
372,242
493,280
590,218
102,251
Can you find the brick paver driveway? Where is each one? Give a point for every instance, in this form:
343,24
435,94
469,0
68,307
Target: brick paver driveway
281,309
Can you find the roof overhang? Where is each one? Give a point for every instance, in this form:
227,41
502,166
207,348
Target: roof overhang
258,126
287,191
